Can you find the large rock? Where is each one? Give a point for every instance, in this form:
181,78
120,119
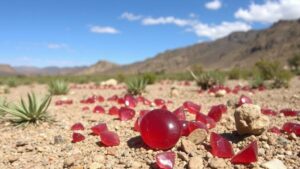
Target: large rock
250,120
274,164
109,82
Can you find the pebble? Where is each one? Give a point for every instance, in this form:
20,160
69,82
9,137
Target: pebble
217,163
58,139
12,158
274,164
188,146
183,156
197,136
21,143
69,162
196,163
95,165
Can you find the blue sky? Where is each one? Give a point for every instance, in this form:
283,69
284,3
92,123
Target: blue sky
82,32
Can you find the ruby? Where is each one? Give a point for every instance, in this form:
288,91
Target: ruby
220,147
143,112
244,99
140,99
268,112
164,107
109,138
113,111
160,129
77,137
130,101
165,160
185,131
246,155
121,101
99,109
58,102
77,126
289,112
159,102
113,98
100,99
291,127
85,108
99,128
126,113
275,130
208,121
147,102
192,107
179,113
193,125
217,111
137,124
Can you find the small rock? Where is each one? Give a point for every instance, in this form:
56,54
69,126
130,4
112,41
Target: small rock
69,162
217,163
21,143
196,163
12,159
77,167
183,156
221,93
174,92
58,139
250,120
136,164
274,164
188,146
95,165
197,136
99,158
109,82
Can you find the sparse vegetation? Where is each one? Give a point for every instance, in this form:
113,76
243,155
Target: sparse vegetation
149,77
31,111
294,63
281,79
58,87
136,86
12,83
3,103
208,79
256,81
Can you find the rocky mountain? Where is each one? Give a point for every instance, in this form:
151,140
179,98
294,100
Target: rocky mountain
98,68
7,70
30,71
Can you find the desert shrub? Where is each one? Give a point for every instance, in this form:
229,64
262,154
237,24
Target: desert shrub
149,77
234,73
31,111
58,87
136,85
12,83
281,79
208,79
120,77
268,69
197,68
256,81
294,63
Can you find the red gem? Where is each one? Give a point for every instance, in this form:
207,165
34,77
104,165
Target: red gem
99,109
192,107
126,113
159,102
246,155
165,160
193,125
185,131
85,108
290,127
77,126
121,101
179,113
209,122
268,112
97,129
220,146
113,111
147,102
130,101
275,130
100,99
289,112
109,138
113,98
137,124
77,137
217,111
244,99
143,112
160,129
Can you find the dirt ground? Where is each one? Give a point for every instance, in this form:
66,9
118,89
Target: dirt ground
50,146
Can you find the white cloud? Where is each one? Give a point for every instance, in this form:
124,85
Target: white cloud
271,11
214,5
103,30
131,16
165,20
57,46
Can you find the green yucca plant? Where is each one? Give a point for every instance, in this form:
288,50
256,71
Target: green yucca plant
31,111
208,79
136,86
3,103
58,87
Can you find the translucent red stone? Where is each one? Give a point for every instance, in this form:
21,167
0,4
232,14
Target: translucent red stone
77,137
291,127
160,129
109,138
185,131
85,108
113,111
99,109
126,113
208,121
289,112
113,98
159,102
179,113
191,107
77,126
193,125
268,112
220,147
216,112
130,101
99,128
165,160
147,102
100,99
275,130
244,99
246,155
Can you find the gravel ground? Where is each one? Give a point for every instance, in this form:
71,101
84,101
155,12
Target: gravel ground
49,145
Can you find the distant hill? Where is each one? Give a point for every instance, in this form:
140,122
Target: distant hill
98,68
29,71
7,70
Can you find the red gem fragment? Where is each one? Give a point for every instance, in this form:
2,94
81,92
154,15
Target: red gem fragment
109,138
268,112
130,101
179,113
159,102
160,129
275,130
289,112
77,137
184,127
97,129
100,99
244,99
217,111
246,155
290,127
220,147
208,121
193,125
126,113
192,107
99,109
165,160
77,126
85,108
113,111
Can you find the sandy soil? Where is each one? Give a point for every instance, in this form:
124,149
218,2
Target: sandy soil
49,145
